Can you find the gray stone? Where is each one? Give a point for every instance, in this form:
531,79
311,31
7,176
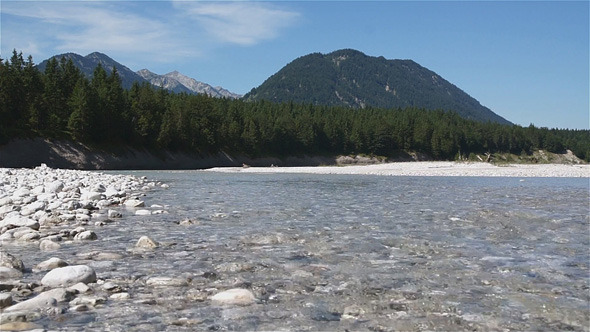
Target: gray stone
48,245
146,242
5,300
114,214
134,203
79,288
86,235
9,273
54,187
37,303
50,264
167,282
69,275
234,296
11,261
19,221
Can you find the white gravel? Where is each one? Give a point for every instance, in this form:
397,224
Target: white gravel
430,168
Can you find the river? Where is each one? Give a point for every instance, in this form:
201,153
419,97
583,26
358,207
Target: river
347,252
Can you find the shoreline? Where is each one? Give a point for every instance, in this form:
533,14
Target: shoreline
428,168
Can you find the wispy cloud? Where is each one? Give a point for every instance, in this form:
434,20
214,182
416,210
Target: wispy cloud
243,23
161,30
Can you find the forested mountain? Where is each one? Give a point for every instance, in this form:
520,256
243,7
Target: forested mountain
62,103
177,82
88,63
350,78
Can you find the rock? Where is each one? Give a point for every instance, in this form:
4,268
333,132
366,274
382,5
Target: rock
5,201
19,221
147,243
88,300
119,296
32,208
50,264
69,275
142,212
114,214
134,203
167,281
54,187
79,288
48,245
5,300
20,326
86,235
37,303
59,294
11,261
9,273
234,296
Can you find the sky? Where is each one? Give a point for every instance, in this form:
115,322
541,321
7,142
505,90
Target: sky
527,61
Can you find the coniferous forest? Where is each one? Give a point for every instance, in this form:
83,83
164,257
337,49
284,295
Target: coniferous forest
61,103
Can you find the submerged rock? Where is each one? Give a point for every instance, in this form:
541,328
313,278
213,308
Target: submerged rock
147,243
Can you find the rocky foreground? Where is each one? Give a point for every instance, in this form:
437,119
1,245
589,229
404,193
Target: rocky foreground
54,208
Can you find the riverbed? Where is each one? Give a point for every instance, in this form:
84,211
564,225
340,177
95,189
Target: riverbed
337,252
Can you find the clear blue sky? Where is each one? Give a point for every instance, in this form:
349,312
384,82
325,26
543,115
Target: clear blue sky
527,61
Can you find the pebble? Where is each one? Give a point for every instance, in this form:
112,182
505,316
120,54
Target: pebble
146,242
234,296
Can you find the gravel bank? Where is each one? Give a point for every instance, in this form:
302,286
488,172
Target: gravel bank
430,168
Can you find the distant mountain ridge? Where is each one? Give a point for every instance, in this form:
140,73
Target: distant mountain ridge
173,81
351,78
177,82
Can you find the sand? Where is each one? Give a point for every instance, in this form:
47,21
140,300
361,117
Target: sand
434,168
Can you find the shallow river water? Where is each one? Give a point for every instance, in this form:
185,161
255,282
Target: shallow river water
346,252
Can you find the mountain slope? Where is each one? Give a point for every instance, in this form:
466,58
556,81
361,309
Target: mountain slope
88,63
178,82
351,78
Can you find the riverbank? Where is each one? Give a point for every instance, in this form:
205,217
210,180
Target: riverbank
430,168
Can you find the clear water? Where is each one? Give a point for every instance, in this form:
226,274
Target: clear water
329,252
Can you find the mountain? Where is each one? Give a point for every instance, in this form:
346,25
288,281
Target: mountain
178,82
173,81
88,63
350,78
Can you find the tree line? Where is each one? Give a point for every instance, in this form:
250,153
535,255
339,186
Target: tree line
62,103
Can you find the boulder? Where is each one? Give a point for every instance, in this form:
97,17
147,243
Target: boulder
69,275
234,296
